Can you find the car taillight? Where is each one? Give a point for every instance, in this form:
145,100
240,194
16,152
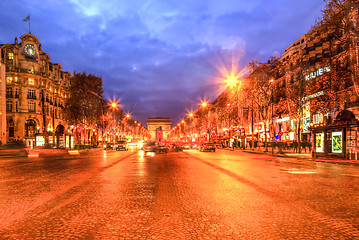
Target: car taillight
153,146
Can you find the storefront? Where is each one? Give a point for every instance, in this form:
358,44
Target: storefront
65,140
338,139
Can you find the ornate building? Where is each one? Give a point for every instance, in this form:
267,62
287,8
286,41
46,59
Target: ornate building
36,90
159,128
2,103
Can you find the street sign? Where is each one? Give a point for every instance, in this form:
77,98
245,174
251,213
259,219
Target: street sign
280,133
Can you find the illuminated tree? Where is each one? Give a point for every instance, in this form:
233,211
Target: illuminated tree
339,30
259,90
85,105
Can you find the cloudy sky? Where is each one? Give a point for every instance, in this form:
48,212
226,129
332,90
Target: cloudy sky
159,57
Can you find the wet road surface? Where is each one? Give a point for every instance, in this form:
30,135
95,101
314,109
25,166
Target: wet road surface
181,195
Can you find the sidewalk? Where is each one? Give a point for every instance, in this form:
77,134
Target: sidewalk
301,156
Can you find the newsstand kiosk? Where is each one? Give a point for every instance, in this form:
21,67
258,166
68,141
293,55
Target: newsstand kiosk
338,139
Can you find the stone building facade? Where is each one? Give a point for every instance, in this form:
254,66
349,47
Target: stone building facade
159,128
36,90
2,102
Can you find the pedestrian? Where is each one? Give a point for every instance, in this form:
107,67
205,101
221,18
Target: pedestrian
295,145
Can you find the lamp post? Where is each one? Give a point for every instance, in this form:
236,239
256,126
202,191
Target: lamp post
272,101
114,105
190,115
128,116
233,82
204,105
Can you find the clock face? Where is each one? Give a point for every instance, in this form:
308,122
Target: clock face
30,50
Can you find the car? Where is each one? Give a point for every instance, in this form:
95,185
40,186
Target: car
176,148
186,146
210,147
150,147
162,149
14,150
109,146
121,145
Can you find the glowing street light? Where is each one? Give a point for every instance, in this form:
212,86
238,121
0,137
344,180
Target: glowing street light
232,80
204,104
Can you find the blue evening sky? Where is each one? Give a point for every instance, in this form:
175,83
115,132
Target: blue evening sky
159,57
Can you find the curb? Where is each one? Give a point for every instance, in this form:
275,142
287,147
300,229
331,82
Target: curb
304,157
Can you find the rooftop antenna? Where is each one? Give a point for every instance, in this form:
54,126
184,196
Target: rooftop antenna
28,19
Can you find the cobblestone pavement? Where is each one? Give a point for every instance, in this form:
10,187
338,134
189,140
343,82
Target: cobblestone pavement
184,195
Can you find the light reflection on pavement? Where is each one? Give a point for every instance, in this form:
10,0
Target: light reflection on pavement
180,195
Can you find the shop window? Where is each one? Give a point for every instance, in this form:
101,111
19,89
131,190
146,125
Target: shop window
11,56
30,128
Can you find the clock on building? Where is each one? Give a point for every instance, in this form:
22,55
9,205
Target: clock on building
30,51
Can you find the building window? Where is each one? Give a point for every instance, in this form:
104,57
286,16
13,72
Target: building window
16,106
11,56
9,80
9,92
32,107
31,94
31,81
31,69
30,128
16,93
15,79
9,106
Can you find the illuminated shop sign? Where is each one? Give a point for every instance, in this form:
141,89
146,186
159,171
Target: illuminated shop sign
317,94
318,119
319,142
40,141
317,73
285,119
337,143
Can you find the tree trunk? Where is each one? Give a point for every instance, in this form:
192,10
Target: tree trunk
265,137
298,137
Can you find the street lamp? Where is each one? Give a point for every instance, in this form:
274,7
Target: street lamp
272,100
190,115
204,105
233,82
114,104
